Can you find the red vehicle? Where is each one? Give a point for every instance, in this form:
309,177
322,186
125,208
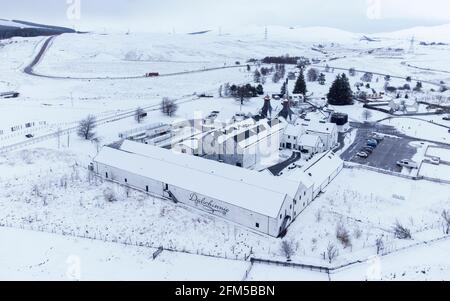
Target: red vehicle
152,74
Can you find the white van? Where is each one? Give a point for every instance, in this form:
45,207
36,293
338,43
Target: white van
408,163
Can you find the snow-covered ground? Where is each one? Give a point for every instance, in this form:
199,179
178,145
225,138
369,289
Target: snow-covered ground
442,153
26,255
47,188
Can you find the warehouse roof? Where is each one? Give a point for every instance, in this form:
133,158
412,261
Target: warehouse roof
309,140
320,127
320,170
244,188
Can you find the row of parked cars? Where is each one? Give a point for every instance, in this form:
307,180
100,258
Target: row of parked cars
371,145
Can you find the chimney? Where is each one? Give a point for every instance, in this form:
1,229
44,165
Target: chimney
266,111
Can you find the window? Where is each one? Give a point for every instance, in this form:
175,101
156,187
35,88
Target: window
281,216
106,175
295,202
257,225
290,207
146,188
126,180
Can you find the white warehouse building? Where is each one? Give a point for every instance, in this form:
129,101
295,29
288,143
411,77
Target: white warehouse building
255,200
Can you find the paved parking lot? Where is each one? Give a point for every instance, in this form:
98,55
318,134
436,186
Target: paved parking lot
392,149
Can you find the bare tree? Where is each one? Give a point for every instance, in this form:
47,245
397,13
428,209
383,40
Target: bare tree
86,127
367,115
110,195
139,115
312,75
379,243
343,236
332,252
288,248
446,222
401,232
168,107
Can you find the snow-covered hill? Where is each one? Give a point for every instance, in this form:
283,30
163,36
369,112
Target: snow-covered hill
439,33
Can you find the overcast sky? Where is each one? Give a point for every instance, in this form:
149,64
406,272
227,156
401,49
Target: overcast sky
189,15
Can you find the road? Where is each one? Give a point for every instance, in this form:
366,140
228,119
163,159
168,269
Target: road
30,68
382,74
104,120
112,118
277,169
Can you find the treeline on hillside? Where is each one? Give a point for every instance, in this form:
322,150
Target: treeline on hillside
7,32
288,60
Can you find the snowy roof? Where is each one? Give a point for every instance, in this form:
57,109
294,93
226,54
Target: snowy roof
320,127
250,133
293,130
320,170
244,188
310,140
190,143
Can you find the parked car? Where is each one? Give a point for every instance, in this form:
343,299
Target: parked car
372,140
434,160
377,137
408,163
447,118
368,150
362,155
372,143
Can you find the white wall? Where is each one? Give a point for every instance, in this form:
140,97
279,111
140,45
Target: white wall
241,216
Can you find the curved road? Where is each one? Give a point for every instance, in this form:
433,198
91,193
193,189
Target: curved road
30,68
382,74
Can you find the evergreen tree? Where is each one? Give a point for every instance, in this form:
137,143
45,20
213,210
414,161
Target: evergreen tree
300,85
260,90
257,76
418,87
322,79
283,89
276,77
340,92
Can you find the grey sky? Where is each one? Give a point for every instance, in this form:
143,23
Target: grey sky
189,15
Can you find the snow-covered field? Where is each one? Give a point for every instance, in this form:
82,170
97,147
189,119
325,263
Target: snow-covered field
44,257
435,171
46,187
442,153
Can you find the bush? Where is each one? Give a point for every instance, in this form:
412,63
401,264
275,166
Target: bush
331,253
288,248
86,127
379,243
110,195
401,232
343,236
446,222
168,107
